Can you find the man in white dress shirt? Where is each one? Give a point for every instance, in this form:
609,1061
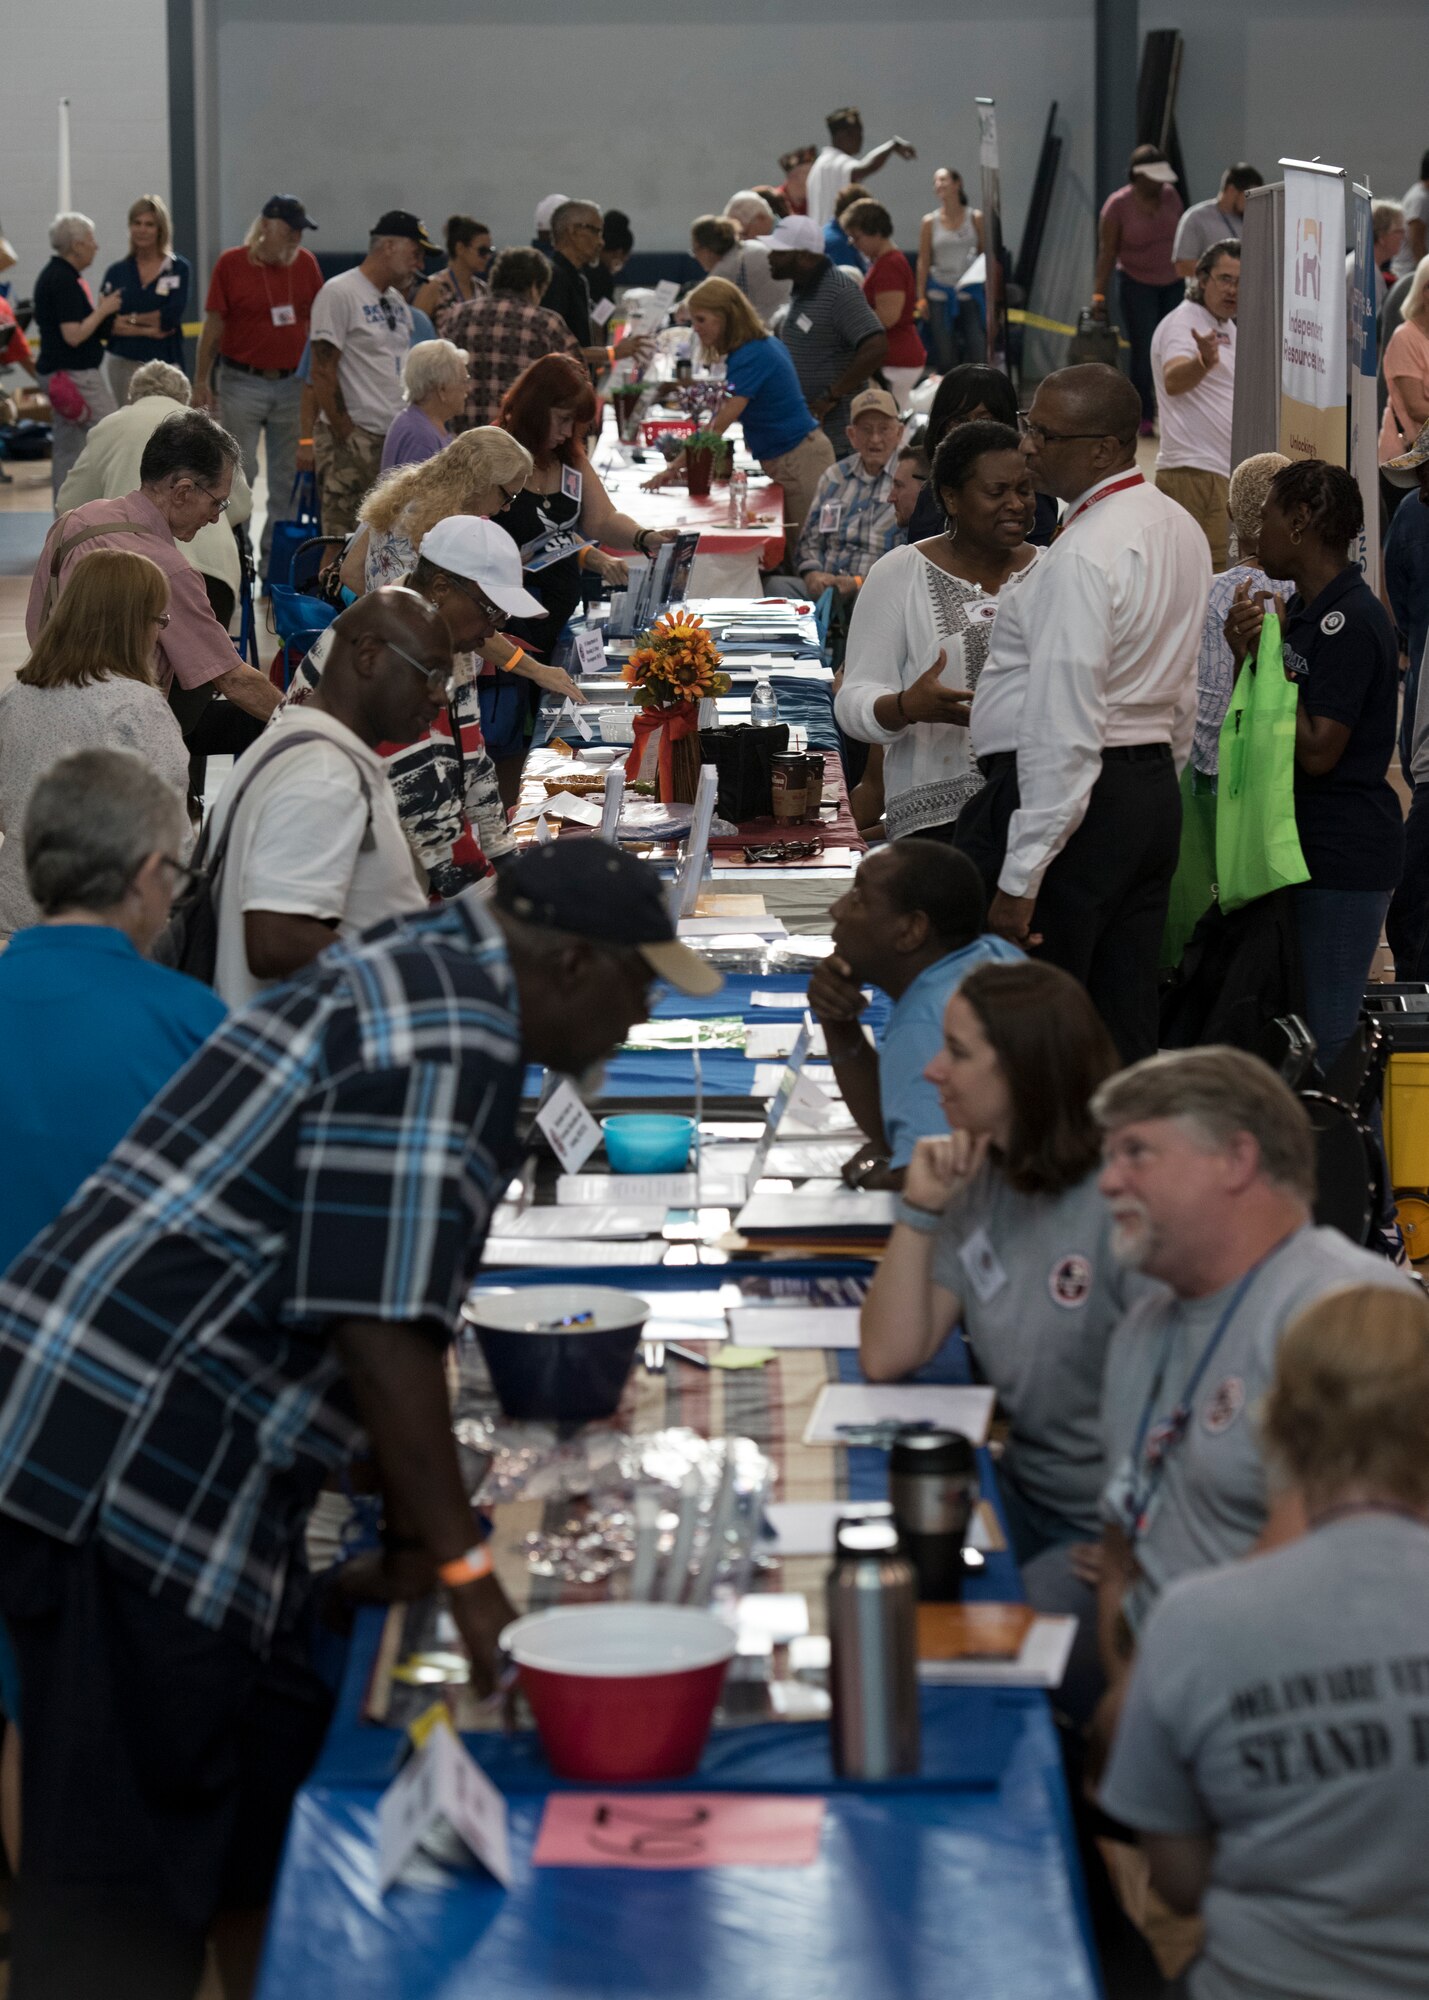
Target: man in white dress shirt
1085,709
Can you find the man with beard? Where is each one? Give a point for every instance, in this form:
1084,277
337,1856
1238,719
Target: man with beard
1210,1175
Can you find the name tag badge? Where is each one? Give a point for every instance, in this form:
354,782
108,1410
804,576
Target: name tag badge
571,483
983,1266
982,611
600,312
804,323
830,514
283,316
167,285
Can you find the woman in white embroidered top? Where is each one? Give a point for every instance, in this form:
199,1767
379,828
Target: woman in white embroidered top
921,624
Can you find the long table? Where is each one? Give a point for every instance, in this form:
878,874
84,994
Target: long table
962,1885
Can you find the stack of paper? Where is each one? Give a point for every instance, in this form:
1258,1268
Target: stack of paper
824,1221
844,1406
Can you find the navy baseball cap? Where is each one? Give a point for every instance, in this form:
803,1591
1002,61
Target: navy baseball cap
401,222
594,890
287,208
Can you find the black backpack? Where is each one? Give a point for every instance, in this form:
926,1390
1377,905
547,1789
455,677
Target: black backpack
189,941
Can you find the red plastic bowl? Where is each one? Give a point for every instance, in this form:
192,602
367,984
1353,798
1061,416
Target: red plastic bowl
621,1692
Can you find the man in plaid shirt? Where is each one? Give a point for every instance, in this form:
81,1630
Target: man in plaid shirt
263,1276
502,332
851,522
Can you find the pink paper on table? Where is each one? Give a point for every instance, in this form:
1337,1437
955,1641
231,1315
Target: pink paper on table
677,1830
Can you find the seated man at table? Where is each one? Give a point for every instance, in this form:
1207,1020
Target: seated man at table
850,522
911,923
260,1282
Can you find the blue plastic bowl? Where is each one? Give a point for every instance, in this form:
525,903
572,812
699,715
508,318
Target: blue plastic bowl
546,1369
648,1142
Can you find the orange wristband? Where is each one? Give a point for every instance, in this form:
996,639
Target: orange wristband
470,1568
304,440
610,357
519,654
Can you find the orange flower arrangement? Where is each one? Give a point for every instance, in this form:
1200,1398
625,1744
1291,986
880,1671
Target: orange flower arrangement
675,661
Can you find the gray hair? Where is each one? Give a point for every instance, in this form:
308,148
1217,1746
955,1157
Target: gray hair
159,378
746,207
1218,1092
67,229
1384,216
92,821
188,445
430,365
570,212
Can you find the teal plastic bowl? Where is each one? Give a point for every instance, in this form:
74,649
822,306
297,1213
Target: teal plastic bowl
648,1142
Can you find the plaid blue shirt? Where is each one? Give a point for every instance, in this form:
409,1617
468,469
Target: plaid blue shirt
168,1380
861,530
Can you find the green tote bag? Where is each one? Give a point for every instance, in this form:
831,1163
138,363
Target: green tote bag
1257,844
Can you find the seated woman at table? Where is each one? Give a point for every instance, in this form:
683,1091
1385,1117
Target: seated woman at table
1271,1751
1001,1230
921,625
765,398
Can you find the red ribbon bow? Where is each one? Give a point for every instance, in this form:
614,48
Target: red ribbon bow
680,718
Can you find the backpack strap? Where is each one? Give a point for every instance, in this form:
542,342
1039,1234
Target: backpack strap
64,545
202,864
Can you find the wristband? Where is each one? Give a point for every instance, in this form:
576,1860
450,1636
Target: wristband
519,654
1098,298
303,441
610,357
858,583
924,1220
470,1568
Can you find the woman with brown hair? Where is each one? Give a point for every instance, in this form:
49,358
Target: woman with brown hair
91,683
1001,1229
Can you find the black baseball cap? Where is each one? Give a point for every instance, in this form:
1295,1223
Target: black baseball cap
401,222
287,208
595,890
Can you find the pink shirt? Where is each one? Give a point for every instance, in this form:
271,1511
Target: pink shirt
1406,354
1144,252
193,647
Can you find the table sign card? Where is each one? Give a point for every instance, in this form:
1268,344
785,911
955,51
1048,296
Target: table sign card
590,652
543,831
779,1103
572,1132
614,800
685,891
574,714
441,1788
678,1830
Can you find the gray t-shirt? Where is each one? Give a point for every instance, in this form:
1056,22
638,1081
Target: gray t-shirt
1041,1294
1209,1504
1203,224
1282,1704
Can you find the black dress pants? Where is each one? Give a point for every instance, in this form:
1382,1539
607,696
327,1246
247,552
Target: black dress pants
1102,906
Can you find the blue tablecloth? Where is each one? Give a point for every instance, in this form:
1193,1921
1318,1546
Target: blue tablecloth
726,1073
936,1891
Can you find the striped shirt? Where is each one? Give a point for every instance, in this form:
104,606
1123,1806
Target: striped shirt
850,522
168,1380
827,322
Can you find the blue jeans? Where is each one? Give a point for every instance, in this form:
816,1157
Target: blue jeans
1143,307
955,330
1339,931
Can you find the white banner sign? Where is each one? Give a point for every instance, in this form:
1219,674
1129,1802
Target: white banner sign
1312,347
1364,405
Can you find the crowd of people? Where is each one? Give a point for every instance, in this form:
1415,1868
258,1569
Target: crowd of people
228,1252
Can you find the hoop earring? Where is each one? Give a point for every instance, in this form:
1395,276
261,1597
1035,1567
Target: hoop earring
950,526
1296,535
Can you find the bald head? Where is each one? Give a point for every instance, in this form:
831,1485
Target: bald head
1098,398
386,667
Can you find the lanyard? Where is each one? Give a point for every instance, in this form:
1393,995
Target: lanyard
1155,1442
1082,506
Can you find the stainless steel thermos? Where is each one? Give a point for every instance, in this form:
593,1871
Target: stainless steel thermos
932,1482
873,1653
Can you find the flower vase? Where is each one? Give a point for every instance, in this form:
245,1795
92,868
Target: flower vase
699,470
684,770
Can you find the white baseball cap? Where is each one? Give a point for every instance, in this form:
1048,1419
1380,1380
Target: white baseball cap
795,232
466,545
1154,170
547,208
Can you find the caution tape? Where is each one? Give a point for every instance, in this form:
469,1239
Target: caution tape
192,330
1044,325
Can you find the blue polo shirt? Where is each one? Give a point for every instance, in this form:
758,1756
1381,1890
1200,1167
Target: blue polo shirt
777,417
913,1036
89,1033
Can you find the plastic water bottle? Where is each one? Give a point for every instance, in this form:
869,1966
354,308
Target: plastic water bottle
764,706
739,499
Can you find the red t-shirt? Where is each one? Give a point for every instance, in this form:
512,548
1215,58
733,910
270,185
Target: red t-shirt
248,294
893,273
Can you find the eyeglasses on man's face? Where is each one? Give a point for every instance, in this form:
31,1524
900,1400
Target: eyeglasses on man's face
439,679
1039,433
219,505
